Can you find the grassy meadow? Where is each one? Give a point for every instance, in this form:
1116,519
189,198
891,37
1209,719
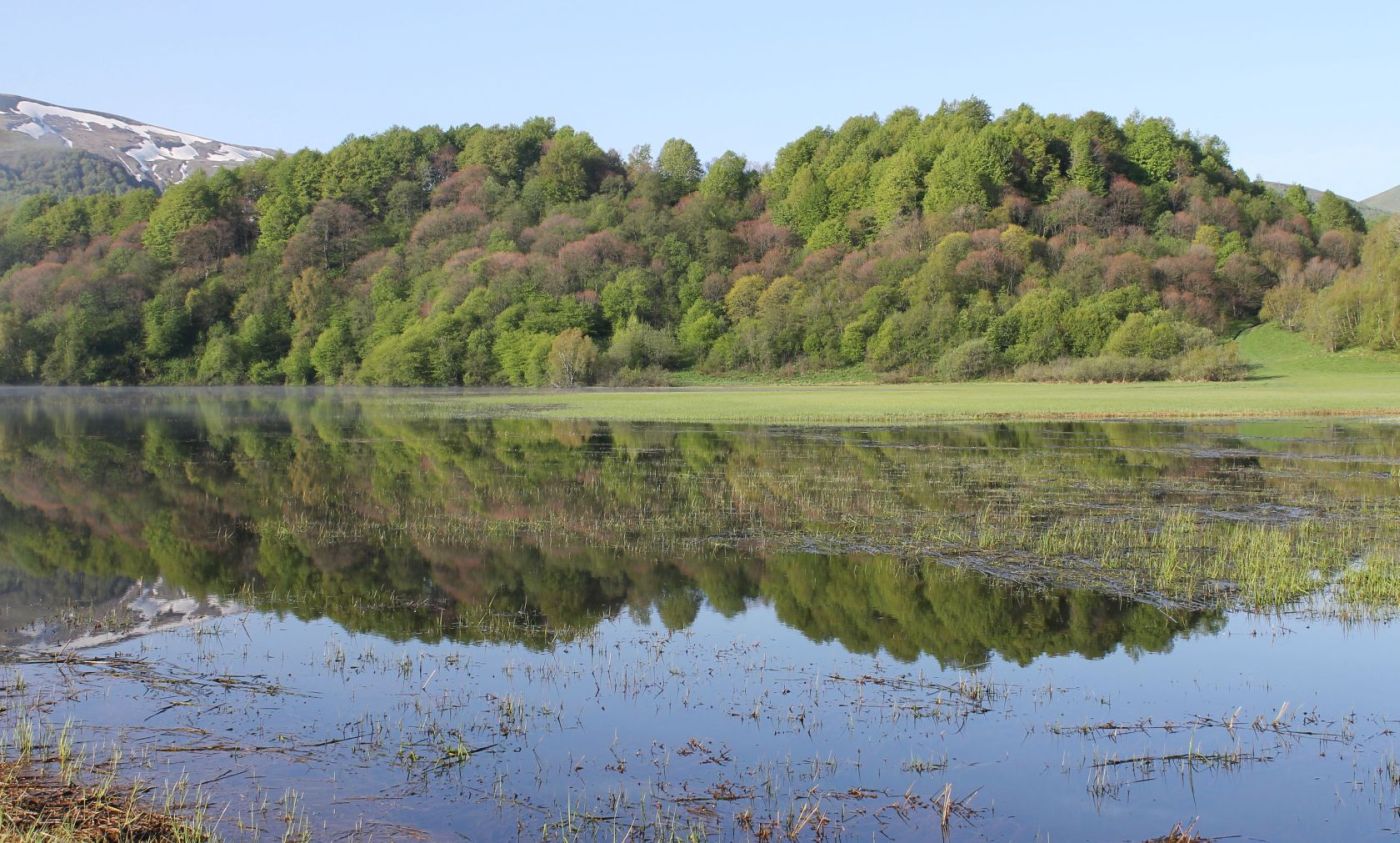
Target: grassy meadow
1290,377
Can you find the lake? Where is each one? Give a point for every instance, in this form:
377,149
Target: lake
384,615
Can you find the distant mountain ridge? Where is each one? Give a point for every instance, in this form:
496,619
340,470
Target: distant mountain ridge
42,136
1388,201
1368,207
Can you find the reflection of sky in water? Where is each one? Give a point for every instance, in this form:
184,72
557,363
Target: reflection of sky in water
640,694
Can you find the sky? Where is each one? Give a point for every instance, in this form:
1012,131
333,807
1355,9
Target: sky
1301,92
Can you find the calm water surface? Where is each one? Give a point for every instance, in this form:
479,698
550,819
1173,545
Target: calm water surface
379,617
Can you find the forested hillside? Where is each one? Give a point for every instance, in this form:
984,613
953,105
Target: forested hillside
948,245
66,172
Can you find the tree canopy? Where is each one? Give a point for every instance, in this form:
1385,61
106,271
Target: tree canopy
920,244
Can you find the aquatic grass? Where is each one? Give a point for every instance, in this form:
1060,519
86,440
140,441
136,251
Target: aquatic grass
1374,582
1181,834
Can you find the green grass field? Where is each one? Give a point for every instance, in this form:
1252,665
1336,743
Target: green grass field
1291,378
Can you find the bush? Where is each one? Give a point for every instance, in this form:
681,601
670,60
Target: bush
972,360
723,355
1107,368
640,346
648,376
1212,363
222,360
266,373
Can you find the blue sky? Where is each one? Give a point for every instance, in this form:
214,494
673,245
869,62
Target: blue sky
1300,92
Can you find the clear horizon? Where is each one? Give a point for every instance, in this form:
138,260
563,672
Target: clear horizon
1291,93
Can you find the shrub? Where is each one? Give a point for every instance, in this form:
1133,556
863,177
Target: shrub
972,360
1107,368
1212,363
265,373
639,346
648,376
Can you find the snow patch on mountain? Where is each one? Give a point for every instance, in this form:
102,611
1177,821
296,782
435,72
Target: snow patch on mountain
34,130
152,154
39,111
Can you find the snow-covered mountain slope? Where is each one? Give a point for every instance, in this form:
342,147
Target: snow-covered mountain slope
151,154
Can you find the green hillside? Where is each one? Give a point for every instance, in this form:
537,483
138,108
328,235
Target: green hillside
954,245
1388,201
31,169
1275,352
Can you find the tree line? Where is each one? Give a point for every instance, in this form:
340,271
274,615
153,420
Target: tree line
954,244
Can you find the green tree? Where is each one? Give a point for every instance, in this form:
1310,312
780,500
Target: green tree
804,208
702,325
190,203
1085,169
1297,198
630,295
1336,213
333,355
572,356
570,169
679,167
1152,146
899,189
970,172
727,178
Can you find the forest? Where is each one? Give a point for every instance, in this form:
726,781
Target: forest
953,245
59,173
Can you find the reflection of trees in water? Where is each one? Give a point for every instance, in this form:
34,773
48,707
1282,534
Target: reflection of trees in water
961,617
333,504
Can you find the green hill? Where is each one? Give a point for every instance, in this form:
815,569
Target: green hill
1275,352
954,245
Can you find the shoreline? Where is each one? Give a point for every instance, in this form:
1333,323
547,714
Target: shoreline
1279,398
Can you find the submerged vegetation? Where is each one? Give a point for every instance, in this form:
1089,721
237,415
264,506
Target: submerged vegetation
953,245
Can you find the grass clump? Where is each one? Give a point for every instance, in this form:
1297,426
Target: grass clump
1373,583
1181,834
